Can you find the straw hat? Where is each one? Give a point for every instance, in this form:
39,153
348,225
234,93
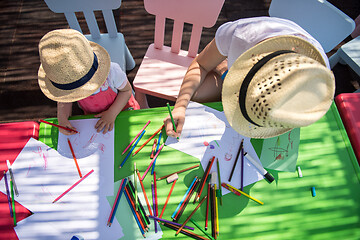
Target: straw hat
279,84
72,68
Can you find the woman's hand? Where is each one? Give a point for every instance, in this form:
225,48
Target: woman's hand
179,119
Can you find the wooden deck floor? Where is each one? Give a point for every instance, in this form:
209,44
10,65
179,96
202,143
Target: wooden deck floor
24,22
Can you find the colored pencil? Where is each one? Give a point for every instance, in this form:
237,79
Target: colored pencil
143,189
153,199
142,210
146,142
193,212
184,197
74,185
134,214
140,214
129,153
219,179
12,177
135,181
202,230
172,119
212,212
168,197
116,202
73,154
157,148
167,221
203,180
242,171
180,171
8,193
156,198
186,202
58,126
216,212
236,159
230,189
135,137
147,170
13,201
184,231
245,194
207,207
153,151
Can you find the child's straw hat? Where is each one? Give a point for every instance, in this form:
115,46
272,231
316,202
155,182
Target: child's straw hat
277,85
72,68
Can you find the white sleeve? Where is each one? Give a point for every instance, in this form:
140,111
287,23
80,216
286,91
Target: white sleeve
117,77
223,37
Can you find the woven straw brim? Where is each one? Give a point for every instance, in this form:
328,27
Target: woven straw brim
84,91
238,71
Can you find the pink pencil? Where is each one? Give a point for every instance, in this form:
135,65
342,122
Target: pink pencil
74,185
157,153
136,137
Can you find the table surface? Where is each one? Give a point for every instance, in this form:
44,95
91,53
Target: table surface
327,162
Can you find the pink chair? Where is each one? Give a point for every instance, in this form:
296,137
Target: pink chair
163,68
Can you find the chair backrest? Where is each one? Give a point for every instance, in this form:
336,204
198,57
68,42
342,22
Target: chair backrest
70,7
199,13
321,19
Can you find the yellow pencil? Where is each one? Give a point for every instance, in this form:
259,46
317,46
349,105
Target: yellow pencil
245,194
216,212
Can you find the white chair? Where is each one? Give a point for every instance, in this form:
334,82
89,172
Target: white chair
321,19
163,68
113,41
349,54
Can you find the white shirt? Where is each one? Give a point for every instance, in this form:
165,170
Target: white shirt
116,79
234,38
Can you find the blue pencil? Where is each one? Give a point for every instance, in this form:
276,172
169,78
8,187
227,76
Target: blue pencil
8,193
133,211
183,199
129,153
116,203
157,148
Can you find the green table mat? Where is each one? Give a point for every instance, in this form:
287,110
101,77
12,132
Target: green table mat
326,159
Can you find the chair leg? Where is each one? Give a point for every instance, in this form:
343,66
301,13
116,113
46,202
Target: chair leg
141,99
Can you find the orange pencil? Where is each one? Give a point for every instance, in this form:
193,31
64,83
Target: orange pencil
143,189
157,131
72,152
153,152
58,126
167,199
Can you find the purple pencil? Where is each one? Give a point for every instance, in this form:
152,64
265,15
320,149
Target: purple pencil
8,193
167,221
154,207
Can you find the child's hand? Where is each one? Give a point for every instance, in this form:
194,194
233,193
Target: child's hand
67,124
106,121
179,119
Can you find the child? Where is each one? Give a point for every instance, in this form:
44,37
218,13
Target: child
74,69
301,94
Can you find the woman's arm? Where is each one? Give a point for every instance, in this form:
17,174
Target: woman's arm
197,73
64,111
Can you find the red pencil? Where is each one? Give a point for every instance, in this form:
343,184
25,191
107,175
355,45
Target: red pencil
76,163
203,180
153,152
74,185
168,197
156,199
56,125
157,131
143,189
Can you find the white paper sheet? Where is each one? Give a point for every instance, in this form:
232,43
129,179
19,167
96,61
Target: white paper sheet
207,133
42,174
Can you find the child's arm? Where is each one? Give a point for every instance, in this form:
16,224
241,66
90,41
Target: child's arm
205,62
107,118
64,111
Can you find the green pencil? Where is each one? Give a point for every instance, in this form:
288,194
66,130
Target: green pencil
13,201
197,225
172,119
219,190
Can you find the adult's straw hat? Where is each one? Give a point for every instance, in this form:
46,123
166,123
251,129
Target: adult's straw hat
72,68
279,84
